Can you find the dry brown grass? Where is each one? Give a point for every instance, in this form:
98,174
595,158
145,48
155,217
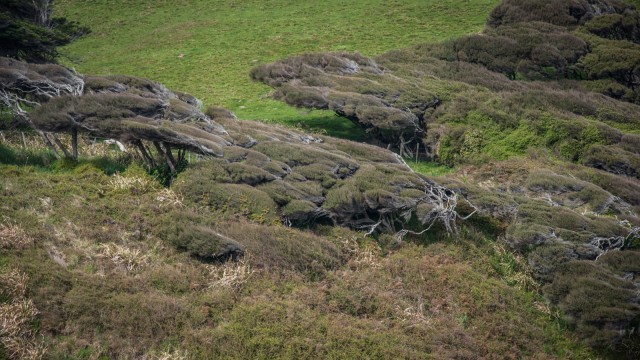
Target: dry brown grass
361,256
129,258
415,315
134,183
20,139
520,275
168,197
87,146
168,355
16,316
230,275
13,237
13,283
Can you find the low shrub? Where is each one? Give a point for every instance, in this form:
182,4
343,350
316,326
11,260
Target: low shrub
601,305
612,159
185,232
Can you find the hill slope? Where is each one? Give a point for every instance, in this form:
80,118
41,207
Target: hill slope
99,259
207,48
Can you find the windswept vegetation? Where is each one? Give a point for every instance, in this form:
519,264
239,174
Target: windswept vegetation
505,225
121,283
207,47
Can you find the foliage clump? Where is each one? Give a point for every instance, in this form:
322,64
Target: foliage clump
304,180
580,240
524,82
602,306
31,33
391,109
561,13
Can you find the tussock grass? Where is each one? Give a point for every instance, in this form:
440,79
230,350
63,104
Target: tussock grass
129,258
119,182
12,236
231,275
17,313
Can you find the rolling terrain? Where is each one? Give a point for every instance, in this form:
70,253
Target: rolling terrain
515,235
207,48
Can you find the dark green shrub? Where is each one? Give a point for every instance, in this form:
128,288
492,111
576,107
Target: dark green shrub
280,248
215,112
623,263
631,143
208,184
612,159
616,26
496,53
188,232
610,88
614,59
602,306
524,237
560,12
545,260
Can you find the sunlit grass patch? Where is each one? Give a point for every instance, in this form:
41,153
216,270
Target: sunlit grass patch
429,168
207,48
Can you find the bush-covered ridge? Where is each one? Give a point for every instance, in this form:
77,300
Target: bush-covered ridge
439,90
561,223
119,284
564,216
527,85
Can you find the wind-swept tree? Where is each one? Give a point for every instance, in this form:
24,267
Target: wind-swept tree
25,86
53,99
29,32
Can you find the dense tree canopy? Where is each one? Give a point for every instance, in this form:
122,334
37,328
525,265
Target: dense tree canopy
29,32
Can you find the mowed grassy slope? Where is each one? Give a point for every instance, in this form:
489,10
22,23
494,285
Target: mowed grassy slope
207,47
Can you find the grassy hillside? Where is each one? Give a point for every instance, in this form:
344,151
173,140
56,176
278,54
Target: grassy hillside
112,285
207,47
530,246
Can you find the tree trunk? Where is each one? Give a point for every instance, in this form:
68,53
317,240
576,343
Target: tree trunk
74,143
169,153
181,155
49,144
144,153
61,146
164,155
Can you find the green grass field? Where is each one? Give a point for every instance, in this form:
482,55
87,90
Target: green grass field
207,47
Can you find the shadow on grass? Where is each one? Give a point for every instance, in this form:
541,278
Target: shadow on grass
326,123
33,157
45,160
